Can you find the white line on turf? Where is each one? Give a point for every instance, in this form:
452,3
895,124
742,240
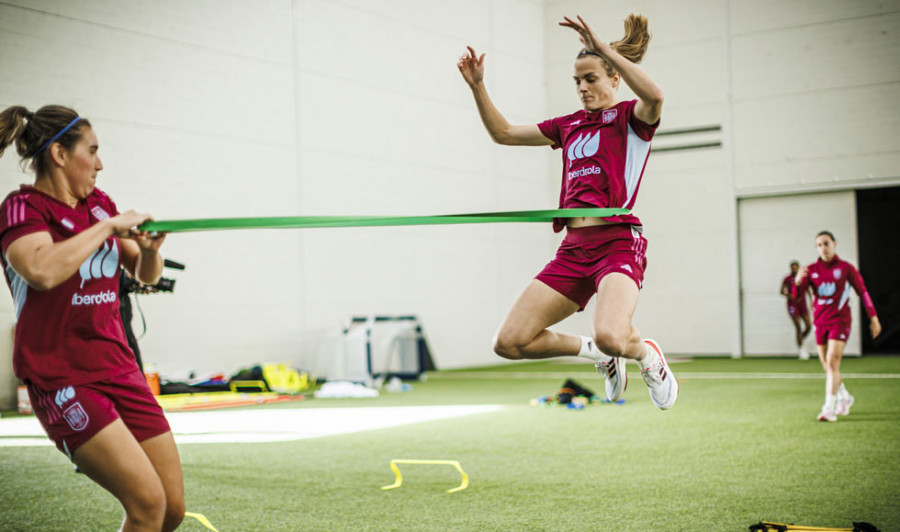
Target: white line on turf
680,375
265,425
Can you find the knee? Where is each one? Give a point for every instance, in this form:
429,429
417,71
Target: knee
506,346
147,507
612,343
174,515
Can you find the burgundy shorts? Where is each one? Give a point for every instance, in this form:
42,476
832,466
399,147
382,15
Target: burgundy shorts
72,415
832,331
797,311
588,254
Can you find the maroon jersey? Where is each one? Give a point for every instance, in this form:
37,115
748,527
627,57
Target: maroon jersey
603,158
831,282
798,302
71,334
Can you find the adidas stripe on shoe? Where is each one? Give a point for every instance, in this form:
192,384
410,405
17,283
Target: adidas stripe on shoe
659,378
613,372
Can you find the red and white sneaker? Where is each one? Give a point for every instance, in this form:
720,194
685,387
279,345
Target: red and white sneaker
826,414
843,406
659,378
613,372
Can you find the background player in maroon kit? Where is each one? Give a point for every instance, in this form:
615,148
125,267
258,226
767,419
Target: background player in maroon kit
63,241
797,309
605,148
831,280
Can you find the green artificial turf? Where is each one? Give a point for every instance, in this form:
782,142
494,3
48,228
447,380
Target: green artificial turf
732,452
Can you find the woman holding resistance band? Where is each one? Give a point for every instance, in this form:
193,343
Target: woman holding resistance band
605,146
830,279
62,242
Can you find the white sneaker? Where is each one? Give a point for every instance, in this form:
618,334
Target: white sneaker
803,354
616,378
659,378
826,414
843,406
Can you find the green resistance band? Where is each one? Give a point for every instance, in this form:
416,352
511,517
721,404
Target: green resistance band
284,222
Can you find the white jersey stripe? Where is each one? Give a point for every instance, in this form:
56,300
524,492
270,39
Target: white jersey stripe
12,215
636,155
19,289
845,296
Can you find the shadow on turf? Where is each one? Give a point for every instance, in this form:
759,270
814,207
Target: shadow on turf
868,417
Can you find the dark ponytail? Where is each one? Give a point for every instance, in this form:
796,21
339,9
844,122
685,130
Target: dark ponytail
12,124
30,131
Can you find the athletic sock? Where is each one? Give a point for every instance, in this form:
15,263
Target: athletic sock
649,359
589,350
842,392
830,401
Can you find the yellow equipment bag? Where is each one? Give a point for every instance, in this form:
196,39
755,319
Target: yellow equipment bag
282,378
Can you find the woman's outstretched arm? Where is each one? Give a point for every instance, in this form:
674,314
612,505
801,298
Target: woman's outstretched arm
471,66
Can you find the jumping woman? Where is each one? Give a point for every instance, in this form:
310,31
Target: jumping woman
604,146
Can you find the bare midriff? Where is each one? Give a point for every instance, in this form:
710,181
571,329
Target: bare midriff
586,221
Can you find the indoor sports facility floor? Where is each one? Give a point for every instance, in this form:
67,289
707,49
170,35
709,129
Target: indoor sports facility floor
740,446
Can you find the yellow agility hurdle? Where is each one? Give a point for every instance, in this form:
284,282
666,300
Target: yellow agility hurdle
202,518
398,478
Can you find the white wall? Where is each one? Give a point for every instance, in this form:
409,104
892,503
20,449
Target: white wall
815,94
194,108
387,126
245,108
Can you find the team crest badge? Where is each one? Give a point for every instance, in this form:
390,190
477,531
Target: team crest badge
837,273
609,115
99,213
76,417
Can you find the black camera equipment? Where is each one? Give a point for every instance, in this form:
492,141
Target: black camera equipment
132,285
127,285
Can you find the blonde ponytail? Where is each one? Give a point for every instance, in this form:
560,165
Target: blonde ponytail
632,46
637,37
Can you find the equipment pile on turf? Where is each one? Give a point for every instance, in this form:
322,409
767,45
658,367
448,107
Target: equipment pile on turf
767,526
572,395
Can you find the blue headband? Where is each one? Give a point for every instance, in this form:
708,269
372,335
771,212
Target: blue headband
51,141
